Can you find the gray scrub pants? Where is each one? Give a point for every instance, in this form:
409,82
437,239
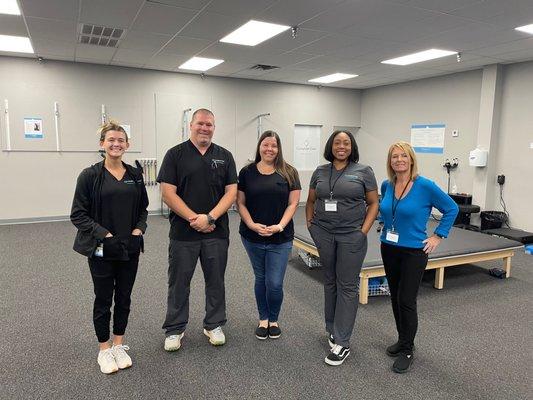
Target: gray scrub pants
182,259
341,256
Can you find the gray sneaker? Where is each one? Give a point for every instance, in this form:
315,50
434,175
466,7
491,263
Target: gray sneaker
173,342
216,336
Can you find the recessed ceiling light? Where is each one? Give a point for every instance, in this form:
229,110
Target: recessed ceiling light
526,28
17,44
200,63
332,78
253,33
419,57
9,7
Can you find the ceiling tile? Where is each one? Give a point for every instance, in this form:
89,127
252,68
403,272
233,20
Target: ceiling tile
437,5
158,18
63,31
328,44
219,26
517,45
186,45
132,56
285,42
12,25
227,68
285,59
166,61
191,4
235,53
137,40
92,52
111,13
53,9
239,8
295,12
51,48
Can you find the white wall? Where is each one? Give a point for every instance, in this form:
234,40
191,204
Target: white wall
389,111
514,155
41,184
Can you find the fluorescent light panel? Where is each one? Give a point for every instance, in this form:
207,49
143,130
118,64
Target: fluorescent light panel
17,44
200,63
332,78
254,32
425,55
526,28
9,7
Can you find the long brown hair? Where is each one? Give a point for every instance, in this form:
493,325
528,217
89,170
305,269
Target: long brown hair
283,168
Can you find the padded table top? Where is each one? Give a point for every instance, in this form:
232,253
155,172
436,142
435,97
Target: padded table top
459,242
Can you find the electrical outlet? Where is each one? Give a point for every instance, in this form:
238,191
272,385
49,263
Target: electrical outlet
455,133
501,179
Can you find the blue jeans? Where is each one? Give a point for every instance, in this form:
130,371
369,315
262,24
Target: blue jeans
269,262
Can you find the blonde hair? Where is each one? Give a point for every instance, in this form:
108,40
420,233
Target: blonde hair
111,126
407,148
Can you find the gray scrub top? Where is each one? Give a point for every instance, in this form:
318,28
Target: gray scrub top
349,191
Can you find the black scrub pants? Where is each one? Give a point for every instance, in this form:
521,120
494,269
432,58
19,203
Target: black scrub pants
182,259
404,268
112,278
341,256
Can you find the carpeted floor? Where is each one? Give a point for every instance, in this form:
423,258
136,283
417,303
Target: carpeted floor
475,336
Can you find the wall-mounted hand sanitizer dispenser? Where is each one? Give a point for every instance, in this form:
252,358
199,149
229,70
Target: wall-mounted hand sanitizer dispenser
478,158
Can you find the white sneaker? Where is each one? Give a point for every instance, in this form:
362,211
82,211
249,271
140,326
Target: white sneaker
216,336
107,362
173,342
122,358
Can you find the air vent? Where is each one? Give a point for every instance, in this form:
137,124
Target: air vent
100,35
264,67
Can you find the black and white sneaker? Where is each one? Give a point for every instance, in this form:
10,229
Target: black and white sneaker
396,349
337,355
274,332
331,340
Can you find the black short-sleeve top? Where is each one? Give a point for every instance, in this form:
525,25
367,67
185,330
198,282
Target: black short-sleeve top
200,181
350,186
267,198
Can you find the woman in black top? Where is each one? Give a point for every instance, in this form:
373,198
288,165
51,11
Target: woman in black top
109,210
269,191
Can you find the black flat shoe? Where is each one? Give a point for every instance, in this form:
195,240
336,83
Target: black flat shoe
403,363
274,332
261,332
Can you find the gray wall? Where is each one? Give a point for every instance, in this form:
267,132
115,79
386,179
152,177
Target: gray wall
387,113
40,184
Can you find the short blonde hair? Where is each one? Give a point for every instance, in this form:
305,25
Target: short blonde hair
111,126
407,148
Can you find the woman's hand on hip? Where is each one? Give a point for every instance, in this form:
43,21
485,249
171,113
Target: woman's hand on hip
431,243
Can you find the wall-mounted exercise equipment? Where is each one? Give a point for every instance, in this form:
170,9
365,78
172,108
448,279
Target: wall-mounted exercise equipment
149,166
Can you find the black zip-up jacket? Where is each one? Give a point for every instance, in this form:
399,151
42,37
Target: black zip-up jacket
86,206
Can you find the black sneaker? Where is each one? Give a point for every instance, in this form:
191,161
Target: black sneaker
261,332
274,332
337,355
403,363
395,350
331,340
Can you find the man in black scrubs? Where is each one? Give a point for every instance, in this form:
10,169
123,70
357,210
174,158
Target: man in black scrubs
199,184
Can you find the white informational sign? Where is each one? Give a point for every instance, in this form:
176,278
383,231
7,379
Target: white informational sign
127,128
33,128
306,147
428,138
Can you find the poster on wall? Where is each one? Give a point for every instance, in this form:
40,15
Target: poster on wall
428,138
33,128
306,147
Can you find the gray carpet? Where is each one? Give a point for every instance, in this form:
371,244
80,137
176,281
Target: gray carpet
474,341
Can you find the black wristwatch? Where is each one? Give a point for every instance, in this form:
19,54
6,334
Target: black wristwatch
210,219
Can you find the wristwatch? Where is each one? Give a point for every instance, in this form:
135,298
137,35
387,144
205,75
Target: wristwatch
210,219
439,235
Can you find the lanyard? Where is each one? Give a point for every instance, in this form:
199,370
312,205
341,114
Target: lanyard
394,207
334,183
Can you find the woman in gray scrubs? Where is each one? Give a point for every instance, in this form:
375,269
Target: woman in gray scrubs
341,208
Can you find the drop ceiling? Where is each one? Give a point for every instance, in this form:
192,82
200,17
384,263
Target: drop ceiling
347,36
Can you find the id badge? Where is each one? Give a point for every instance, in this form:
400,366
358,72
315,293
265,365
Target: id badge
331,205
99,251
392,236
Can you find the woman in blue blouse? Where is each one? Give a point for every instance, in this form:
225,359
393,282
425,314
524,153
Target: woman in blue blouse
407,201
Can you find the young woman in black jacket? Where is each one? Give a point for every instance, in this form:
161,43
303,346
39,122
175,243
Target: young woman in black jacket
109,210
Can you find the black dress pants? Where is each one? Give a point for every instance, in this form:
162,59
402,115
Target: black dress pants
404,268
112,278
